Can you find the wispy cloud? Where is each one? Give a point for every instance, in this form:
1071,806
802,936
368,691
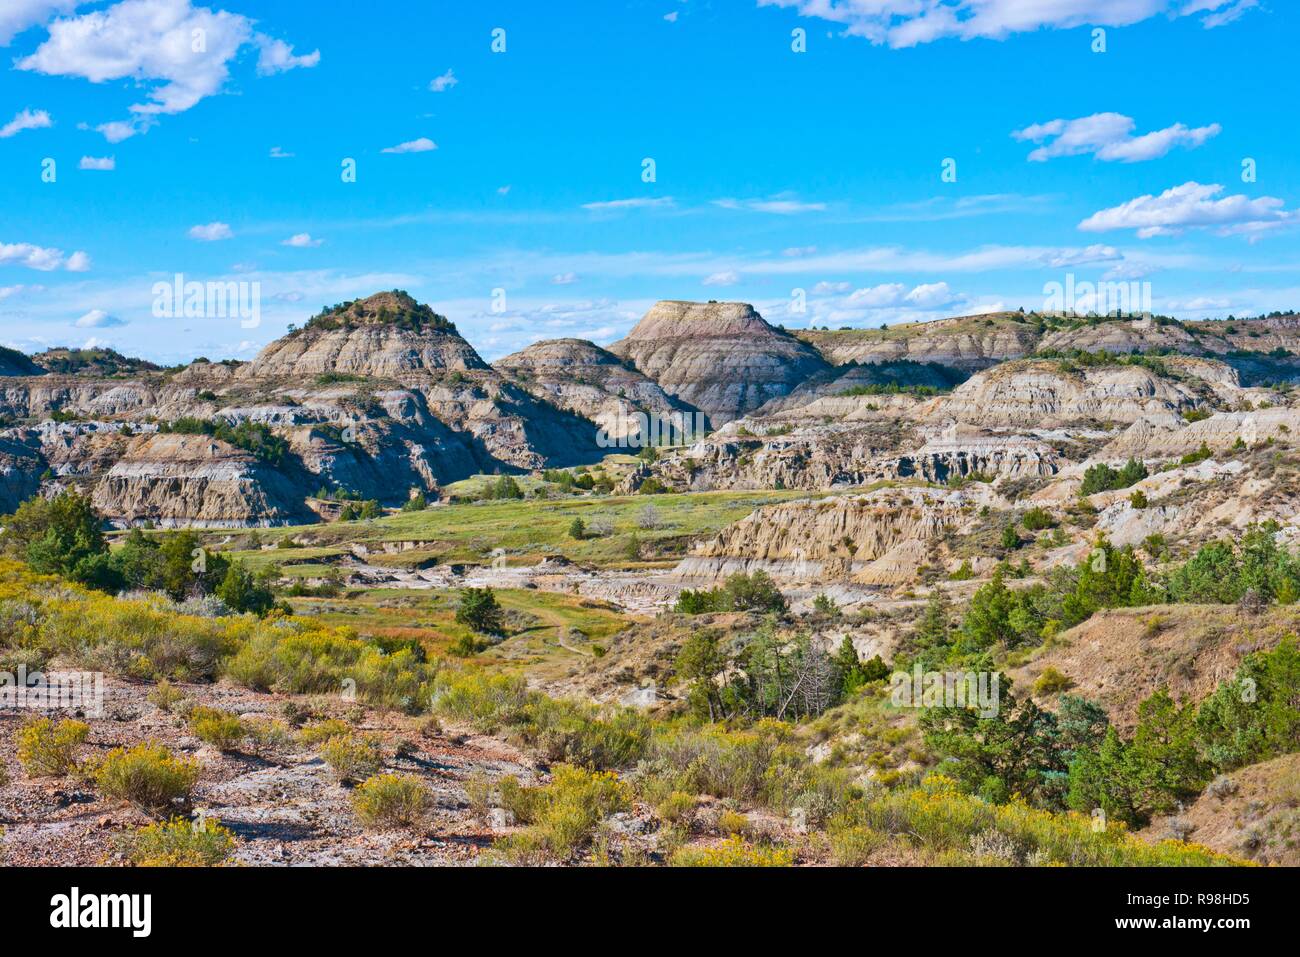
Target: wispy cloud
104,163
43,258
302,241
1109,137
422,145
26,120
440,84
211,232
783,204
908,23
639,203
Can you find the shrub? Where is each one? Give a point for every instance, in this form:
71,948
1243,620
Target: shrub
165,696
49,750
1036,519
1102,478
179,843
353,757
963,573
733,822
677,807
320,731
1051,682
852,842
221,729
147,775
563,814
824,604
735,851
391,800
478,793
937,818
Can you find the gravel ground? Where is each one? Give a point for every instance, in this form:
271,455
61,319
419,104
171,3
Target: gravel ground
282,803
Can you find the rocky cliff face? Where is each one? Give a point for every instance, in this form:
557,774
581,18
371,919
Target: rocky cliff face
376,396
1048,393
589,381
968,343
721,358
387,335
878,380
182,480
880,538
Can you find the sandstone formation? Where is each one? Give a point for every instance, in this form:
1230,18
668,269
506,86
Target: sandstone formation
969,343
721,357
181,480
882,537
1045,393
583,378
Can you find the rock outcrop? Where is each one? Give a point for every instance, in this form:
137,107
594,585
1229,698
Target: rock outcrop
583,378
882,537
969,343
1046,393
183,480
720,357
387,335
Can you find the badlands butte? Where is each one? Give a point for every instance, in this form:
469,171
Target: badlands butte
897,489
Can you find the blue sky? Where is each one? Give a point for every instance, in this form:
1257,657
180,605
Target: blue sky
518,208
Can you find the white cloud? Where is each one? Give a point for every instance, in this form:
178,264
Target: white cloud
26,120
1198,304
18,15
94,342
211,232
153,43
119,130
302,241
641,203
1228,11
104,163
43,258
876,297
7,291
727,277
671,17
1109,137
564,279
906,23
277,153
1096,253
831,288
1128,271
782,205
422,145
99,319
503,190
440,84
930,295
276,56
796,251
1192,206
